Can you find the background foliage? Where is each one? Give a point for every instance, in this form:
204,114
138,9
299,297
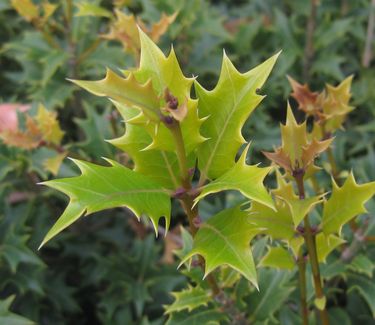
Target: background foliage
108,269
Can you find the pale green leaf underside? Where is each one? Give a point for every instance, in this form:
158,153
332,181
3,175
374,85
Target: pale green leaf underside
99,188
244,178
227,107
189,299
225,240
345,203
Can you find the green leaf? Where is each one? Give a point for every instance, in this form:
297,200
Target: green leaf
365,287
242,177
362,264
90,9
99,188
274,291
189,299
53,61
206,317
165,72
158,165
224,240
298,208
9,318
326,244
277,224
345,203
127,91
226,108
278,257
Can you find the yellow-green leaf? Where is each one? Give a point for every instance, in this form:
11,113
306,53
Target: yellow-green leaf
227,108
244,178
278,257
224,240
345,203
189,299
99,188
127,91
325,245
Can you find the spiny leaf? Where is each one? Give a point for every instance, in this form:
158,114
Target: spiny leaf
227,107
325,245
125,30
278,257
53,164
307,99
48,125
366,289
274,290
242,177
127,91
99,188
206,317
165,73
224,240
299,208
277,224
189,299
160,166
9,318
345,203
296,152
362,264
90,9
26,8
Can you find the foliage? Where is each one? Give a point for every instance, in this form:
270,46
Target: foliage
300,230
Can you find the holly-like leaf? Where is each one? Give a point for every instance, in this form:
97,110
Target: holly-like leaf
299,208
362,264
278,257
345,203
90,9
99,188
366,289
307,99
325,245
242,177
227,107
9,318
165,73
207,317
53,164
224,240
158,165
127,91
48,125
296,152
274,290
277,224
189,299
26,8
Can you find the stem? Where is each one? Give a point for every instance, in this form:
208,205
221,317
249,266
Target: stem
192,213
309,47
367,55
181,154
302,286
310,243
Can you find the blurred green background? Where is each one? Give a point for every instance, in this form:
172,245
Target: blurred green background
108,269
